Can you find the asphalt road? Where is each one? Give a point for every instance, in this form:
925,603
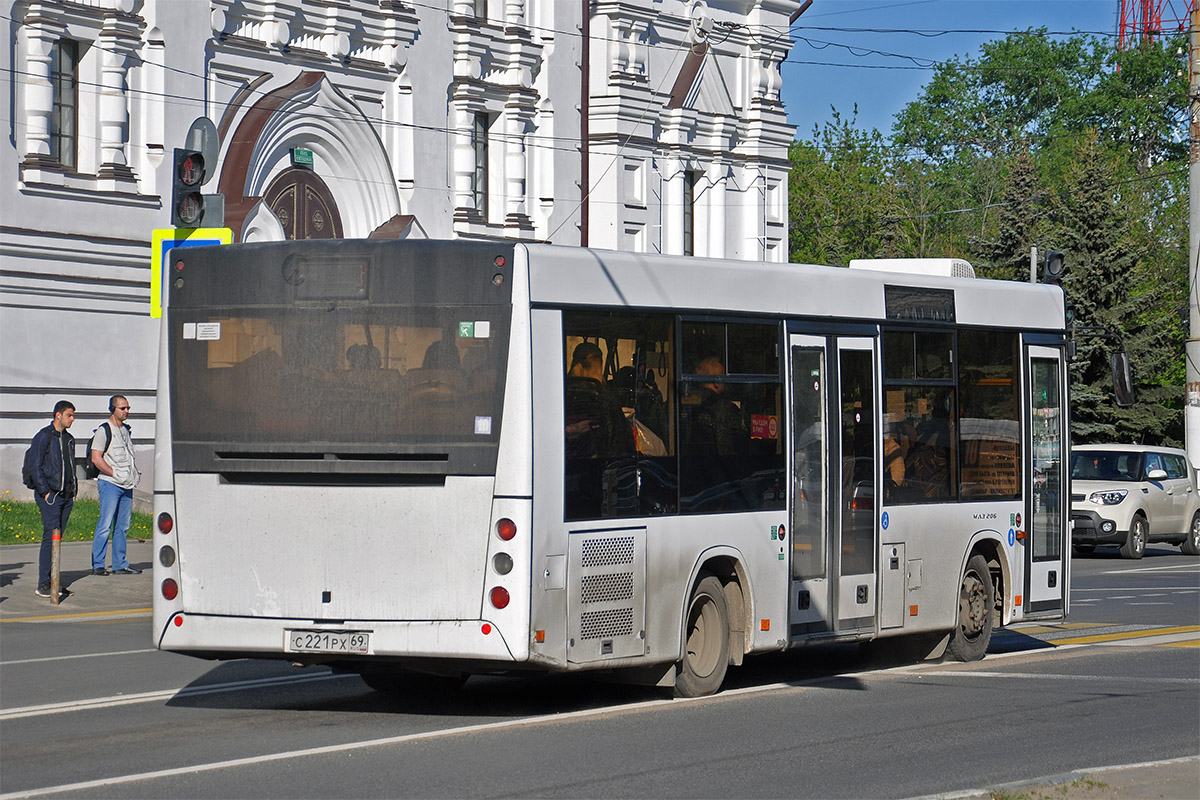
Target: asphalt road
88,709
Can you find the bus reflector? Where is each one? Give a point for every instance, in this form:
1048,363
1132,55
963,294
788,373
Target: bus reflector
170,589
912,611
165,523
485,629
765,624
539,636
506,529
179,621
499,597
1017,601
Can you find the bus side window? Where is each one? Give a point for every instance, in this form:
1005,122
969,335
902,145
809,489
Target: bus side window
730,418
618,441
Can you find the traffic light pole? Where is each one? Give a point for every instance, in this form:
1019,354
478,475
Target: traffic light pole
1191,408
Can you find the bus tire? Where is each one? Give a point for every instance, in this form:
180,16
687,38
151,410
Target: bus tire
705,660
976,612
400,682
1135,540
1191,545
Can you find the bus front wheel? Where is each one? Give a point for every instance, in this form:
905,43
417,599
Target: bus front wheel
976,610
705,660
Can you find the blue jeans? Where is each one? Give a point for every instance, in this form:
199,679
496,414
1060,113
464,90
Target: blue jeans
116,505
54,515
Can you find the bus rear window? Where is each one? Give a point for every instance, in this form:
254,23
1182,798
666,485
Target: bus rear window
363,374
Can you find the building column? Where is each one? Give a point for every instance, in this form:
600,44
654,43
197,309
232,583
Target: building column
39,96
718,175
118,40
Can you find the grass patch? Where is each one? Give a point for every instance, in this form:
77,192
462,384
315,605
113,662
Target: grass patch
21,523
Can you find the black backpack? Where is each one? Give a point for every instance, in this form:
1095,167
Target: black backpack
26,474
90,470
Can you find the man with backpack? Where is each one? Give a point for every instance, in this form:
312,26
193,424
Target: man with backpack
51,462
112,456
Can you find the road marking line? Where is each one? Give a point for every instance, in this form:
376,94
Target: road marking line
1055,677
1190,643
81,655
121,614
1150,569
1112,637
1075,591
162,694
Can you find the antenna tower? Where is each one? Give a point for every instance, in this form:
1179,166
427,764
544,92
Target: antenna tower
1141,19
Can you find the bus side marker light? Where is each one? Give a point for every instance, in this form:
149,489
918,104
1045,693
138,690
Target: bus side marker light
485,629
539,636
912,611
499,597
170,589
764,624
506,529
165,523
1017,601
179,621
1021,534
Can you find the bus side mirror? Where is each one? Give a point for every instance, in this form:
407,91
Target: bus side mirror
1122,378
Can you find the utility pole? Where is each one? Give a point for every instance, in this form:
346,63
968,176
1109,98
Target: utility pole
1191,409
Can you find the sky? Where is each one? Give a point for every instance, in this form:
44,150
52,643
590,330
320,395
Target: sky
831,63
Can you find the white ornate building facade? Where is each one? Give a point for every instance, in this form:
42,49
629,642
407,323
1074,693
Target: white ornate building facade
650,126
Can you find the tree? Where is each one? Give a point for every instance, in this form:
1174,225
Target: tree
838,186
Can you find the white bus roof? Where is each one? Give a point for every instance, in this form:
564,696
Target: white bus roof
575,276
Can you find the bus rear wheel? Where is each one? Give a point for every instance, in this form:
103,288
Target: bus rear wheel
705,660
976,611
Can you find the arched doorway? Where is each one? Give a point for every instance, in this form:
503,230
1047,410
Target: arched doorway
304,205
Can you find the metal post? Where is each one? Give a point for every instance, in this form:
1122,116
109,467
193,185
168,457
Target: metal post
1191,412
55,563
1033,264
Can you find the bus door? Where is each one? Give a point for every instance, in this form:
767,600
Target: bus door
833,538
1046,581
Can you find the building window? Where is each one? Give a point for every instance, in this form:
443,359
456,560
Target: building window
479,141
64,83
689,213
481,10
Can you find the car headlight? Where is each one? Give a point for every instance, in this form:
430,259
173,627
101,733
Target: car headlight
1108,498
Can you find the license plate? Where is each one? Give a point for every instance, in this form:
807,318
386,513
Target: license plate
317,641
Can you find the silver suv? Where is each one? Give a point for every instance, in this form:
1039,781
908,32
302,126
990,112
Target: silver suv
1128,495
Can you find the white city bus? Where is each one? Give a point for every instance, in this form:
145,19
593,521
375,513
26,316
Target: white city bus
413,459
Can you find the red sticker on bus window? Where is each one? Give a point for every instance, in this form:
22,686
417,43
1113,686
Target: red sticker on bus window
764,426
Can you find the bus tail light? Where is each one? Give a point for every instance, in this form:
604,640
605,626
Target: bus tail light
170,589
506,529
165,523
499,597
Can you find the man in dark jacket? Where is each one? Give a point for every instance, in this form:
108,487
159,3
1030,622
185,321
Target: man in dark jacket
53,471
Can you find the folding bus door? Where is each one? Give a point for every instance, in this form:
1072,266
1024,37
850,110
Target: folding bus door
833,538
1046,519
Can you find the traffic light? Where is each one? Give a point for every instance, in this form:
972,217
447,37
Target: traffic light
1052,270
187,203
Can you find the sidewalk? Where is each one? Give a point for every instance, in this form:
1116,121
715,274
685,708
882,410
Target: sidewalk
1172,779
88,594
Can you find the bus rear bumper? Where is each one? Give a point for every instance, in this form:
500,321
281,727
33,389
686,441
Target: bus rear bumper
254,637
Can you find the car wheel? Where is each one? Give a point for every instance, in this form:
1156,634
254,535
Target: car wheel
1191,545
1084,549
1135,541
976,612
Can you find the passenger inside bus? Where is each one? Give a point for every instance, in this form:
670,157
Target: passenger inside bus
595,424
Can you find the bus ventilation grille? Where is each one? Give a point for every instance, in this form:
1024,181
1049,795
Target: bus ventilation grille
607,596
